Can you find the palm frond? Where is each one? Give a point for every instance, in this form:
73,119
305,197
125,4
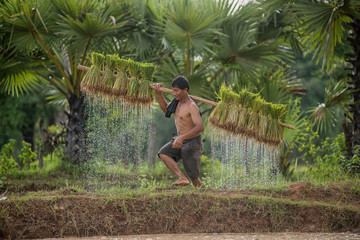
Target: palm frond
238,46
296,118
19,82
16,76
323,24
187,21
325,114
30,20
91,26
55,97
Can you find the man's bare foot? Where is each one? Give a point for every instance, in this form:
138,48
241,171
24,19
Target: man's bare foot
181,182
196,182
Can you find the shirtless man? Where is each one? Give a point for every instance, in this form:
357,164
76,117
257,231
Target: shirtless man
187,145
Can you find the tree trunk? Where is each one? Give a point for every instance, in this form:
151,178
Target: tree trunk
42,146
353,140
75,129
348,134
151,149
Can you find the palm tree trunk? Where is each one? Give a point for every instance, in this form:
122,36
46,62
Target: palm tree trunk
353,131
42,146
152,146
75,129
188,55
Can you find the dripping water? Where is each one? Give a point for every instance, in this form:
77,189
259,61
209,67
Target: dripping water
241,162
117,138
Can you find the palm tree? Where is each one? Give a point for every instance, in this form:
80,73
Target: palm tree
52,38
322,27
188,30
204,42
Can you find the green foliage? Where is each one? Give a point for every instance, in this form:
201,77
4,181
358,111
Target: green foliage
10,163
7,162
293,138
53,165
10,72
62,33
2,181
327,160
187,24
20,114
27,156
323,24
55,129
325,114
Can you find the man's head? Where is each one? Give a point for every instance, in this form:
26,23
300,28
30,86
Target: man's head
181,82
180,87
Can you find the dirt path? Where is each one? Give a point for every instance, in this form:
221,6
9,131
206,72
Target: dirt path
239,236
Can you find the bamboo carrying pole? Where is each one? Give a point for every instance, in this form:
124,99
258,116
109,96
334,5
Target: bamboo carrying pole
162,89
84,68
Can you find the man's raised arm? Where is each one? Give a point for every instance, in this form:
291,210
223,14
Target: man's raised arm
160,97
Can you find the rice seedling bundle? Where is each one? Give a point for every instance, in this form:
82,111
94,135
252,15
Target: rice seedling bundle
145,95
274,132
219,114
119,88
231,99
93,76
216,114
253,124
248,115
147,71
133,83
106,85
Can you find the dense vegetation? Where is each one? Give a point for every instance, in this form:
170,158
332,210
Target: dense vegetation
265,48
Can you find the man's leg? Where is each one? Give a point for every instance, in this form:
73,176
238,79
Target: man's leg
196,182
172,165
191,156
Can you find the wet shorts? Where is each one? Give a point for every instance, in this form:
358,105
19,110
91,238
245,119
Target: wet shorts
190,153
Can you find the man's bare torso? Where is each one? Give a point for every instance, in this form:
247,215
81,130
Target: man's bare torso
183,119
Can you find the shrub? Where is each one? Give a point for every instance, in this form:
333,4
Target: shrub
7,162
27,156
328,161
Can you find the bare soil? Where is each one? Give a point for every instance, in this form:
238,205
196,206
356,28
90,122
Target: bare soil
300,207
229,236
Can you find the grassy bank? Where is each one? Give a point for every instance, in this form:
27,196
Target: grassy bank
101,199
67,212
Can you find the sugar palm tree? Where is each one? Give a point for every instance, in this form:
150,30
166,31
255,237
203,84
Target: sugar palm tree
204,42
55,37
189,29
323,26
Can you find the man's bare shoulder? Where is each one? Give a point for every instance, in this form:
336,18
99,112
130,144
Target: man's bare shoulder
192,104
193,107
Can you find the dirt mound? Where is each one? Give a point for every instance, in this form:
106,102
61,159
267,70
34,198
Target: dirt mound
298,188
338,194
70,213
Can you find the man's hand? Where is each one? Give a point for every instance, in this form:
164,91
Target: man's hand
177,142
158,86
162,103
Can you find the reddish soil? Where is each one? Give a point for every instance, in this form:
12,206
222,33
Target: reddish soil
335,194
301,208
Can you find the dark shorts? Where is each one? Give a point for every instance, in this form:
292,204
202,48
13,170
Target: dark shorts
190,153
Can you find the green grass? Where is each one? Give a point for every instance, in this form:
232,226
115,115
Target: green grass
103,178
52,165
